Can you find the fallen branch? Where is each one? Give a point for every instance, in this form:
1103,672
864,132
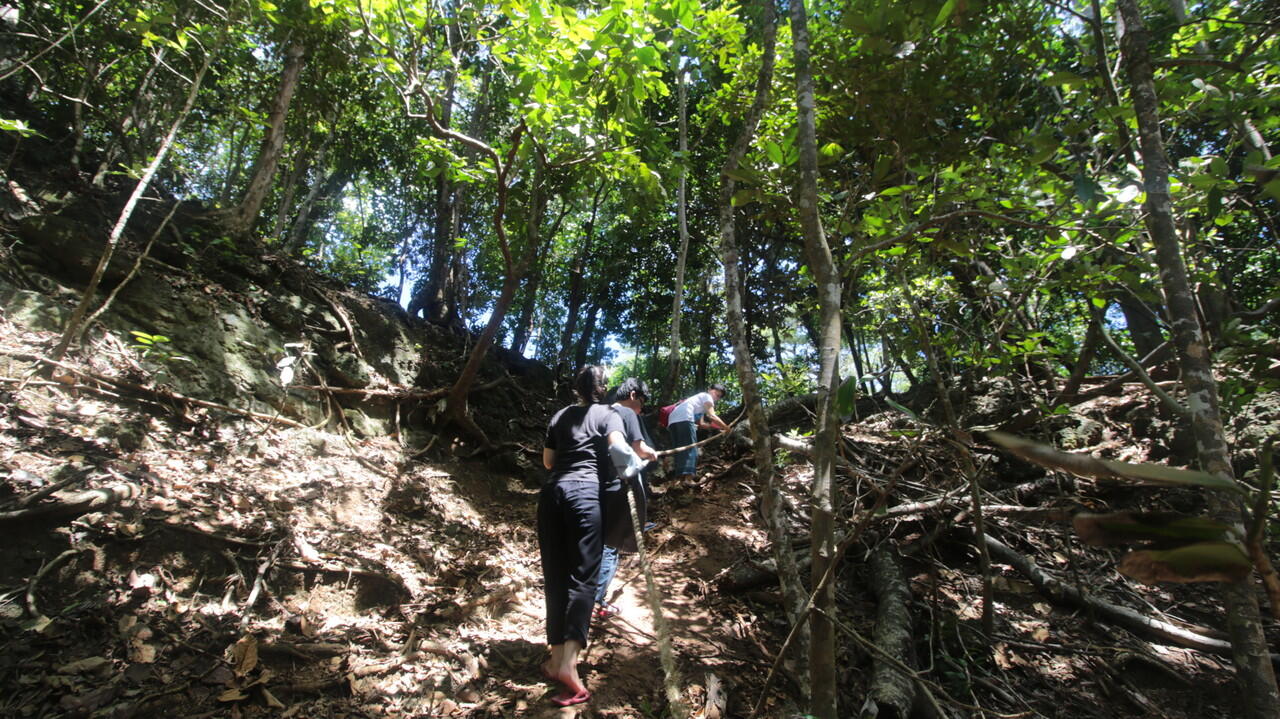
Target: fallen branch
1123,616
263,567
717,703
799,446
306,651
949,500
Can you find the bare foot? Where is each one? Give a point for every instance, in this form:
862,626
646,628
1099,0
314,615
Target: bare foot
572,683
568,698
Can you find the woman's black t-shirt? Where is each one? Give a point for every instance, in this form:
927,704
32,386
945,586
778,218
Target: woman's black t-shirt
579,437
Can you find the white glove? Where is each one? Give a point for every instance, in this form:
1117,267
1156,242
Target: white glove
626,461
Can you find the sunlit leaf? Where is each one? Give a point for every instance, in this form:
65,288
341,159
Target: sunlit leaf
1084,465
1200,562
1129,527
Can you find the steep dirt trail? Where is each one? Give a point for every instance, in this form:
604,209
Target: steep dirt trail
701,531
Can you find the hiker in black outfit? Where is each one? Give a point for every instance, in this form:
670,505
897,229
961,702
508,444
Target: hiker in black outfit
570,525
629,399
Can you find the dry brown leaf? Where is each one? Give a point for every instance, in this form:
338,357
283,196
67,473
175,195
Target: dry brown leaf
244,654
232,695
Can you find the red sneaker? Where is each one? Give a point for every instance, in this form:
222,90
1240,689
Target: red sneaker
605,610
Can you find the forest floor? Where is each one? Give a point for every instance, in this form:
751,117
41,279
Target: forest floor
261,570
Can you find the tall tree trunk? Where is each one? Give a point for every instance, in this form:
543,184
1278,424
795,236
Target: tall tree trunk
244,216
588,331
822,640
706,327
1249,647
436,296
575,287
669,386
304,164
1144,328
757,421
328,188
893,356
541,240
515,270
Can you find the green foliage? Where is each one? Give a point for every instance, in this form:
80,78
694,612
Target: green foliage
18,126
789,379
157,350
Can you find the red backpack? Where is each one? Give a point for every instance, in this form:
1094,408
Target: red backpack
664,414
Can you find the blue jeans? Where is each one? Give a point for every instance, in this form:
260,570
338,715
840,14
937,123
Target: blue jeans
682,434
608,568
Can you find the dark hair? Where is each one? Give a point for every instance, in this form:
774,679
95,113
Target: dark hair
629,386
589,384
717,386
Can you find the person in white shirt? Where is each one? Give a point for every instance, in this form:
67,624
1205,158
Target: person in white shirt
694,412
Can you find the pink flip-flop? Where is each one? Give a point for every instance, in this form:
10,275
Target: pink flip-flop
568,700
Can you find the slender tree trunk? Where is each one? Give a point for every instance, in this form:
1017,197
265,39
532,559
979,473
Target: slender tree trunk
231,177
575,287
822,641
1249,647
757,420
305,163
588,332
328,187
542,240
669,386
119,142
1143,327
78,314
244,216
705,330
1088,349
436,298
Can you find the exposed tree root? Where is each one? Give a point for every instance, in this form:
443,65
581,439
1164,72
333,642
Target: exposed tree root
75,504
32,607
154,391
330,568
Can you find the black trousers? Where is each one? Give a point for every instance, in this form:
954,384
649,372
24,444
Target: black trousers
617,516
569,539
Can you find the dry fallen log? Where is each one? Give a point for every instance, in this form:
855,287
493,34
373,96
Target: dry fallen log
892,692
73,505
